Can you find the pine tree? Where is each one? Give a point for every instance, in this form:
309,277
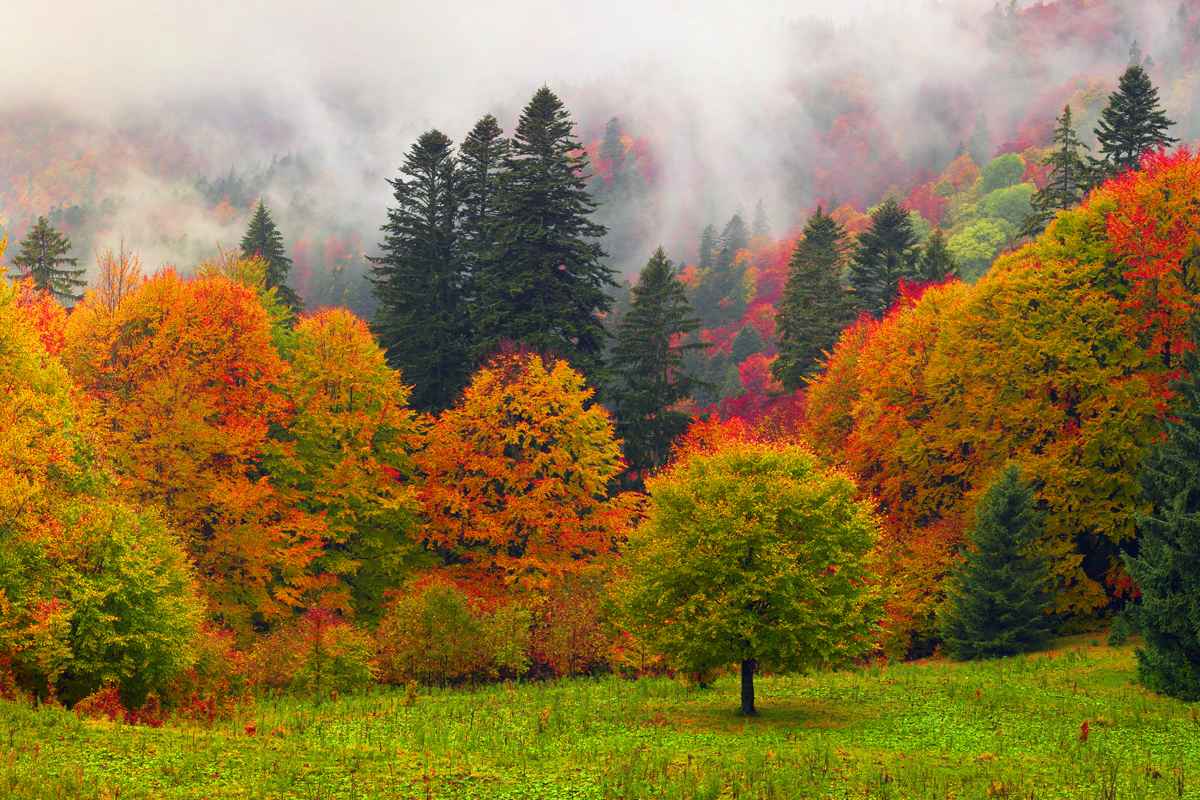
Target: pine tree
422,320
886,252
707,255
541,281
980,143
723,277
999,594
1069,178
1165,568
937,263
262,239
648,363
762,225
1131,123
612,150
43,254
480,159
815,307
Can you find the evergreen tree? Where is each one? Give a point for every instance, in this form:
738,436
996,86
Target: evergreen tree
937,263
979,145
723,277
886,252
815,307
1131,123
541,281
43,254
1069,179
648,364
999,594
422,319
762,225
1165,568
262,239
480,158
613,150
707,255
748,342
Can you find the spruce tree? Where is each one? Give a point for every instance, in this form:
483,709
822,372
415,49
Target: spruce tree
980,142
887,251
612,150
541,281
262,239
723,277
937,263
648,364
762,225
481,157
815,307
421,321
1167,566
43,254
1069,178
707,256
1131,124
999,593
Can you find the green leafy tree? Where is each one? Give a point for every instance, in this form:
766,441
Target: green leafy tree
1000,173
422,320
648,362
975,247
1132,123
42,258
754,554
262,239
999,594
815,307
1069,178
886,252
937,262
1168,615
541,281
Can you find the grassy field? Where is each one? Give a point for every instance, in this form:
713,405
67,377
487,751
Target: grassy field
1007,728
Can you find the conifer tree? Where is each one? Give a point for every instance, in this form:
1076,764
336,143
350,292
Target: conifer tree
1131,123
480,159
999,594
1069,178
937,263
707,255
541,281
719,280
648,363
815,307
886,252
1165,568
421,321
43,254
762,225
262,239
980,142
613,150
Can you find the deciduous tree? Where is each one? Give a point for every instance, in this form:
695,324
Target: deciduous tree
753,554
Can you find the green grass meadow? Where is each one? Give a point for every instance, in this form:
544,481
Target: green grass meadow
1008,728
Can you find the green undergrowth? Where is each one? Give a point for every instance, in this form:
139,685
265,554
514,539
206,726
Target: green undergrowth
1008,728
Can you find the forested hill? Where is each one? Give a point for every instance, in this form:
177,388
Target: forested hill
843,115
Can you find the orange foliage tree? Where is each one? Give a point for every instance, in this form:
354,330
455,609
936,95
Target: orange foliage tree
345,453
1060,360
181,374
515,475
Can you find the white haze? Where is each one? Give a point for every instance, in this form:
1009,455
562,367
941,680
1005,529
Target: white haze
352,84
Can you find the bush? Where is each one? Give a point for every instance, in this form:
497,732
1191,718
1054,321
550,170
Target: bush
569,633
435,634
318,653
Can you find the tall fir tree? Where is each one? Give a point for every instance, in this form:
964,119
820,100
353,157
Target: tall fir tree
762,225
612,150
707,255
719,280
1000,592
422,320
937,262
979,145
1167,566
481,157
42,258
1069,178
815,307
648,365
264,240
542,281
887,251
1132,123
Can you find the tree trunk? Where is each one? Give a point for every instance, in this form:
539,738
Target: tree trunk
748,666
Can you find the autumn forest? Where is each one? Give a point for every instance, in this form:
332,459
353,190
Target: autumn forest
579,388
